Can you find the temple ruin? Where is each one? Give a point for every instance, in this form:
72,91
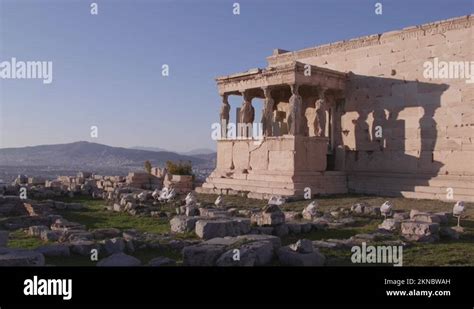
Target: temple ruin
354,116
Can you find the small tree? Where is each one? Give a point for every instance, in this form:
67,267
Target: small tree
148,166
181,168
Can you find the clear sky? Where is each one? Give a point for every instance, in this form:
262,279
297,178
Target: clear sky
107,67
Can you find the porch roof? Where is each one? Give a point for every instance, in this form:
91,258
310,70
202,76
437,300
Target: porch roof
287,74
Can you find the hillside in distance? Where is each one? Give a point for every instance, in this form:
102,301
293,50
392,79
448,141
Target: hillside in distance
86,154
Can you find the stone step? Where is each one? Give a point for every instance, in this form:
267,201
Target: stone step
322,183
413,186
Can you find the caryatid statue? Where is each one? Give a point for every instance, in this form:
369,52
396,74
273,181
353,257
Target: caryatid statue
267,114
295,111
319,124
247,113
224,115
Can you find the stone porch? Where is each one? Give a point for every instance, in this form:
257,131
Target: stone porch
299,117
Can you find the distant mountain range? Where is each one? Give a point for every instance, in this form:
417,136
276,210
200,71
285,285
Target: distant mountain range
85,154
198,151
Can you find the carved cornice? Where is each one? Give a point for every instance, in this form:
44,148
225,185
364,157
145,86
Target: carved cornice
438,27
289,73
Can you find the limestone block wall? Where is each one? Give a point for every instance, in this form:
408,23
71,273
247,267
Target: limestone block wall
287,154
427,123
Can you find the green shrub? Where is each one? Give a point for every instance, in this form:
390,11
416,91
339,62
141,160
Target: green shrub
180,168
148,166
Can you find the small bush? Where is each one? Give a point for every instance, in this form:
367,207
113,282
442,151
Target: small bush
181,168
148,166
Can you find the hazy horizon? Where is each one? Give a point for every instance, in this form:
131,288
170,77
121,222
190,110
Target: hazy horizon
132,147
107,67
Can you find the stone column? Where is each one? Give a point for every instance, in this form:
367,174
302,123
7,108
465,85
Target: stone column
294,119
224,115
247,115
267,112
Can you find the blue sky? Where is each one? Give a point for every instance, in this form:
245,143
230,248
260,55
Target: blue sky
107,68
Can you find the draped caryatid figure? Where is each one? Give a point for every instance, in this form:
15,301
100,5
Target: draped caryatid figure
224,116
267,114
294,118
319,123
247,115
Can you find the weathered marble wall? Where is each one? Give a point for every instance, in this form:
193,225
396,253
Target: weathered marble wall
275,154
427,124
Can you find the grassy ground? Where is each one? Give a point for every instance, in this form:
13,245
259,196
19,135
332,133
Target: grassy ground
445,252
19,239
347,200
95,216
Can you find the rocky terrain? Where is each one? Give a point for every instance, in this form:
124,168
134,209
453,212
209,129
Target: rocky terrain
129,226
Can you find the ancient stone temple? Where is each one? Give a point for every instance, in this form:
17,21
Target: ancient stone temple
362,116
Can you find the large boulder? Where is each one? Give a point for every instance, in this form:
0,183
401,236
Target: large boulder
401,216
281,230
12,205
420,231
207,229
271,215
48,235
293,228
257,253
299,227
105,233
20,257
113,245
252,250
426,217
74,235
182,224
267,230
390,224
289,257
302,246
213,213
202,254
84,247
274,240
119,259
